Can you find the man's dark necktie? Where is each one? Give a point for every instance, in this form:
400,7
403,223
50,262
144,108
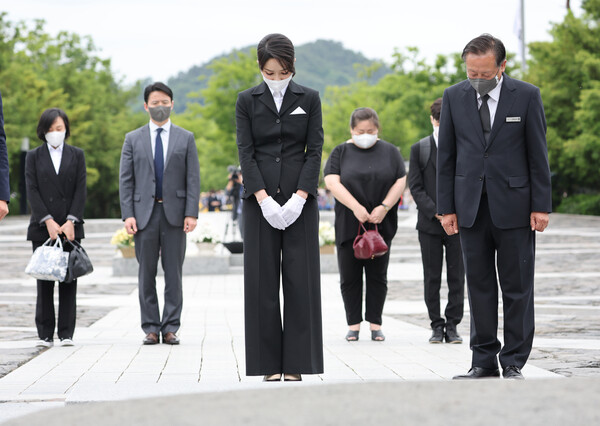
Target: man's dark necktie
159,164
484,114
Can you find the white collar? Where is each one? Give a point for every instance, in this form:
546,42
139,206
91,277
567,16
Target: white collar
58,150
166,127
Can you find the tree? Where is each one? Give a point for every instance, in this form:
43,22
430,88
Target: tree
39,71
567,70
213,123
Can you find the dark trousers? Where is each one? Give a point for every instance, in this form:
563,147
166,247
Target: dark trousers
351,282
513,250
297,345
432,254
45,317
160,237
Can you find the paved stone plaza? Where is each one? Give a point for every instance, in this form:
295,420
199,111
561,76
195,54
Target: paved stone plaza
109,363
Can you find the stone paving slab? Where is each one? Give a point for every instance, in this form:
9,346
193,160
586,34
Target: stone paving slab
109,363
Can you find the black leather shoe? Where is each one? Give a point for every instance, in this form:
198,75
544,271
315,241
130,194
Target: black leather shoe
438,335
170,338
452,335
478,373
151,339
512,372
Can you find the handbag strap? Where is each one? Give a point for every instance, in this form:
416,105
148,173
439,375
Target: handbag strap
361,225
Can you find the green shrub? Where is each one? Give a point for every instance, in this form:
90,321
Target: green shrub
581,204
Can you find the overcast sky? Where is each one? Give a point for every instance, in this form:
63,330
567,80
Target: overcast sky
159,38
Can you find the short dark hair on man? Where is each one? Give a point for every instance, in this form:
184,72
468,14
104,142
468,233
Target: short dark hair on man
47,119
483,44
436,109
279,47
157,87
362,114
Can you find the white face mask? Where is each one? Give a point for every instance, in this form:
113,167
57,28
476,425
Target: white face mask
365,140
277,85
436,132
55,139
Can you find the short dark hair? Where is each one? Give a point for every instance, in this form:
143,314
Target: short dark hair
436,109
484,44
362,114
279,47
157,86
47,119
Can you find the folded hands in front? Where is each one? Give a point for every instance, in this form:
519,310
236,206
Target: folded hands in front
280,217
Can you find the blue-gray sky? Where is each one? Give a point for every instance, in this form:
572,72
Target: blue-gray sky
159,38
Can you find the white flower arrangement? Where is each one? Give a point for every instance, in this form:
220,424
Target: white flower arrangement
326,234
204,233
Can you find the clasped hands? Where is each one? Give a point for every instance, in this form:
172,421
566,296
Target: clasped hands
54,229
363,215
280,217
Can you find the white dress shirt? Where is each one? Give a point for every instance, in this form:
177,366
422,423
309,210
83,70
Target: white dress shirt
164,136
492,101
278,97
56,155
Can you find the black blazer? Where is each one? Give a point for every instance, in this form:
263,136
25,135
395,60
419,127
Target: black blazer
422,188
514,164
56,195
279,151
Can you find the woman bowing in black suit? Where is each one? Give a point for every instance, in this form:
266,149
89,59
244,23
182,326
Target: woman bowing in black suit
56,189
280,139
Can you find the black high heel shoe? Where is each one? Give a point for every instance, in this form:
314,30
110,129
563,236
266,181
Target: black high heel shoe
292,378
272,377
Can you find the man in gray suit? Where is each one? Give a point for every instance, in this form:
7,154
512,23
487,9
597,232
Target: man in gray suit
159,189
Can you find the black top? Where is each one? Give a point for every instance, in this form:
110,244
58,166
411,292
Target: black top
368,174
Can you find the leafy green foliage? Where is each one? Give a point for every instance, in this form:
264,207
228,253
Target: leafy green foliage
38,71
567,70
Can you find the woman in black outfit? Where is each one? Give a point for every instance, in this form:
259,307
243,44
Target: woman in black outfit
280,139
56,189
366,175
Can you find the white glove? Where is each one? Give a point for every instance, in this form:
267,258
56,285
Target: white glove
292,209
271,210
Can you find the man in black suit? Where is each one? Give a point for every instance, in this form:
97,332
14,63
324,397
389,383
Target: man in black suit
494,186
4,186
433,239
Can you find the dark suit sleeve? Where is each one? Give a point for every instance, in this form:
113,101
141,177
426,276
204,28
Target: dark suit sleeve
309,175
80,194
537,153
446,159
4,170
253,180
417,185
192,198
38,207
126,179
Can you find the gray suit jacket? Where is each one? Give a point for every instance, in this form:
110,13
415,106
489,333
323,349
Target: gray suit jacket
181,178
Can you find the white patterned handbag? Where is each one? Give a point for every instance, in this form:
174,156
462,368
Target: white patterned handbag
49,262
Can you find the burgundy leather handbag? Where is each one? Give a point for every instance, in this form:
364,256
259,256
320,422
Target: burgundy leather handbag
370,244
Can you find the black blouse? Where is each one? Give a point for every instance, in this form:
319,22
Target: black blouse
368,174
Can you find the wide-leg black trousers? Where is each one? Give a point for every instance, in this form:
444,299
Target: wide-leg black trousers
296,345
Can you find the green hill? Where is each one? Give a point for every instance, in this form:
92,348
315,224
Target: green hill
319,64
